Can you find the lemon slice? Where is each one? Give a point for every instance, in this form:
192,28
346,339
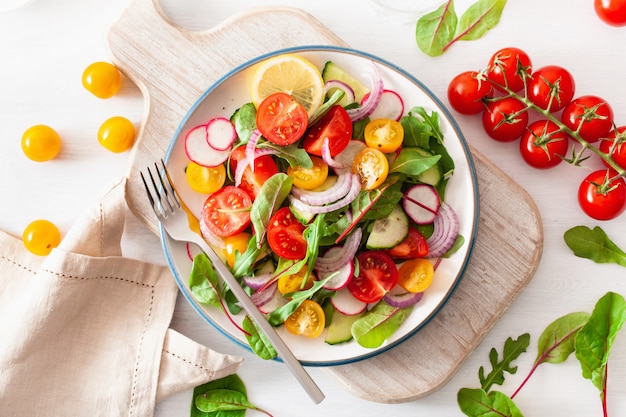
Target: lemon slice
289,74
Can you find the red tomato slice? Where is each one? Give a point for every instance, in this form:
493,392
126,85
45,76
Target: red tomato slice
281,119
252,181
225,212
413,246
377,275
335,126
285,235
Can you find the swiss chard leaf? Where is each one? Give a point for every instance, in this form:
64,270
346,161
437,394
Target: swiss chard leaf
371,330
257,340
557,341
203,281
479,18
475,402
295,157
230,382
594,244
435,30
244,120
223,400
512,350
272,194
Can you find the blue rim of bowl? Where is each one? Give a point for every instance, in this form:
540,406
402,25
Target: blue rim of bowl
166,240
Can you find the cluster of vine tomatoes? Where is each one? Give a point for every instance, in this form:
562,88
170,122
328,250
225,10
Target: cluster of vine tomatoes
538,107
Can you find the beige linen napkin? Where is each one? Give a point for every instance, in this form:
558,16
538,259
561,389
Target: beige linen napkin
85,331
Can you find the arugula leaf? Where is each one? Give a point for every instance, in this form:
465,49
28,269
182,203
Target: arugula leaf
244,262
278,316
475,402
295,156
270,197
594,244
512,350
257,340
203,281
244,120
557,341
371,330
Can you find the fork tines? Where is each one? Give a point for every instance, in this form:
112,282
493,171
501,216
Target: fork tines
162,194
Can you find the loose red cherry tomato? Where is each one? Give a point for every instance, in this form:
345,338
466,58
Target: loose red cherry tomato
592,113
612,12
226,212
281,119
413,246
252,181
543,145
615,144
599,201
506,119
335,126
551,88
308,320
285,235
377,275
506,68
467,91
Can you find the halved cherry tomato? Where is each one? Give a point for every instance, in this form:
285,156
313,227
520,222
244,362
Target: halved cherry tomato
226,212
416,275
335,126
592,113
252,181
288,284
386,135
413,246
281,119
308,320
602,203
377,275
309,178
372,166
617,150
285,235
233,244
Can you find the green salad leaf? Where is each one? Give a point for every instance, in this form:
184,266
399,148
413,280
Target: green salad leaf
371,330
594,244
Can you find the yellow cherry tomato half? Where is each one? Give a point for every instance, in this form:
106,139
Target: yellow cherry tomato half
117,134
308,320
372,166
386,135
233,244
309,178
416,275
205,180
288,284
102,79
41,143
40,237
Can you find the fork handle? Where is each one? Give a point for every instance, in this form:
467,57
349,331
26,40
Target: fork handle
255,314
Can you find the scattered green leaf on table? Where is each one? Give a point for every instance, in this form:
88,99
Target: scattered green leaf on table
557,341
375,327
512,350
475,402
594,244
257,340
479,18
223,400
231,382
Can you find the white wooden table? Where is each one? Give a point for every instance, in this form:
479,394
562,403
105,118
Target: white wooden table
46,45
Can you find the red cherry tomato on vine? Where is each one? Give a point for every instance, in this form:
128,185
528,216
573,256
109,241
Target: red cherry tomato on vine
551,88
542,145
600,202
592,113
467,90
618,152
506,66
612,12
505,119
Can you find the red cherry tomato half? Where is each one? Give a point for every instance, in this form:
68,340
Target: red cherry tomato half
252,181
377,275
506,119
413,246
285,235
506,68
551,88
543,145
593,114
612,12
467,90
335,126
225,212
617,150
281,119
599,203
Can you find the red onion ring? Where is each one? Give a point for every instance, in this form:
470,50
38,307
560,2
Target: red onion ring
355,187
339,259
372,101
317,198
446,229
251,146
328,158
349,92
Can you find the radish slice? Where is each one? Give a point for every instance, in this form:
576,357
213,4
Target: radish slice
340,276
345,303
402,299
421,203
220,133
446,229
199,151
390,106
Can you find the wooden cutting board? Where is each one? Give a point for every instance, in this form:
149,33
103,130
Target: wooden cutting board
173,67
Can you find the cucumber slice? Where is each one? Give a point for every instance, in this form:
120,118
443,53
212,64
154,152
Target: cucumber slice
432,175
389,231
332,71
340,328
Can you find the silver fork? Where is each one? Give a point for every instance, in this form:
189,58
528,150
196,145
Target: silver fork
168,209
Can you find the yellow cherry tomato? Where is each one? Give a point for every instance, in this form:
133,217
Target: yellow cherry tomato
102,79
309,178
308,320
372,166
117,134
41,143
386,135
205,180
233,244
288,284
416,275
40,237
